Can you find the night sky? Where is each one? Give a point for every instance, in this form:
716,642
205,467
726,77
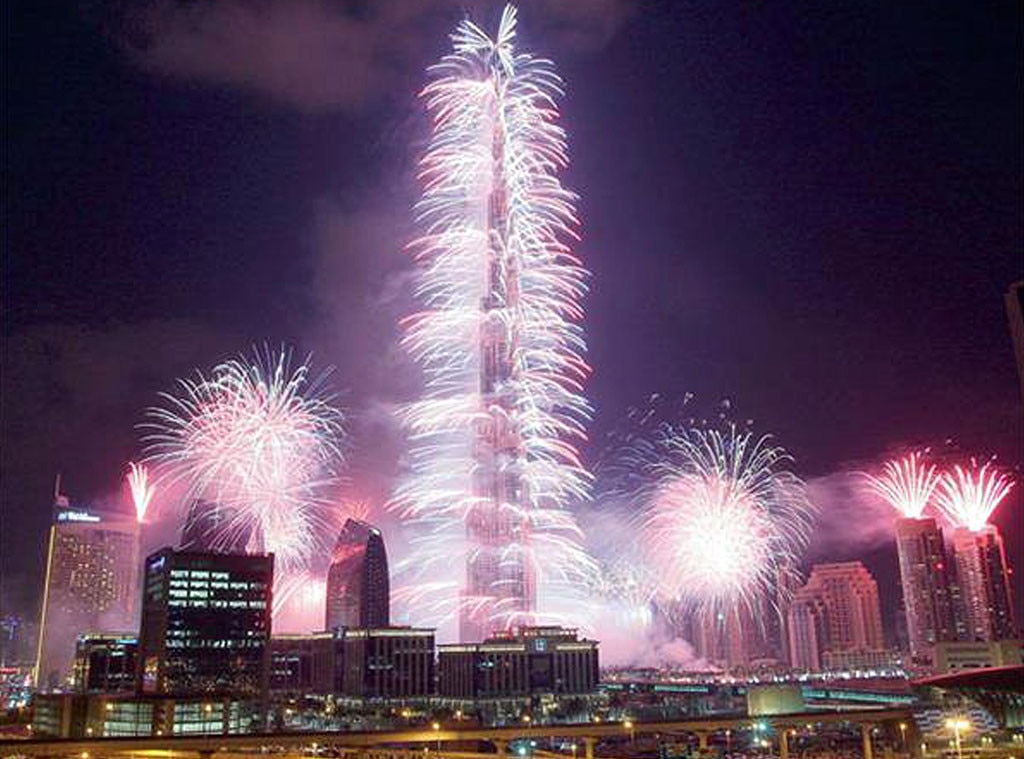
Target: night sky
810,209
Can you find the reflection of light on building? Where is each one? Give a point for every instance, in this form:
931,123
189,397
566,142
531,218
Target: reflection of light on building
91,584
836,610
925,578
358,586
984,579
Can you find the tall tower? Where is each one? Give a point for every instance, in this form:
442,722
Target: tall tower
984,578
925,579
91,584
499,339
358,585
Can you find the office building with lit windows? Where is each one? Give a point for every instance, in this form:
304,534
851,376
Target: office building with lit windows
67,715
926,580
106,663
525,662
311,664
836,611
91,585
389,663
983,575
206,624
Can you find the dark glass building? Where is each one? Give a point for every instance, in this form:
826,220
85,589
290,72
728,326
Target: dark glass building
388,663
529,661
358,587
106,663
307,664
206,624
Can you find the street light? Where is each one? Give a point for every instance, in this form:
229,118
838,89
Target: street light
437,728
958,725
903,735
628,724
573,747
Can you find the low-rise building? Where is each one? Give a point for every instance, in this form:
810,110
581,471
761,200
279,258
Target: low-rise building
106,663
68,715
388,663
311,664
529,661
956,656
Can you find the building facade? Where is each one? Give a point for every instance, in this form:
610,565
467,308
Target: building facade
925,577
91,585
358,584
106,663
206,624
529,661
837,610
983,574
66,715
967,655
391,663
307,664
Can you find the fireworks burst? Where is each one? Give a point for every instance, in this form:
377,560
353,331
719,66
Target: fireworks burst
258,440
907,484
499,341
722,516
142,491
969,496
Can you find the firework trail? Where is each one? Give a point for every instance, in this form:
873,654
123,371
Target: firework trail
257,440
907,484
969,496
499,341
722,517
142,491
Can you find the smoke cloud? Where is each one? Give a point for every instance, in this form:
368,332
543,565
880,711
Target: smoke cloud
315,55
852,520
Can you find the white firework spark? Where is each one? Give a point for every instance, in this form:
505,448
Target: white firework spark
968,496
907,484
722,517
258,440
499,341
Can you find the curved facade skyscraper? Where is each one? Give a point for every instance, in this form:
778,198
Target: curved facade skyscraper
358,586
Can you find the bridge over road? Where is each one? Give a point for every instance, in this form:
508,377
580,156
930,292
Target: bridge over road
411,742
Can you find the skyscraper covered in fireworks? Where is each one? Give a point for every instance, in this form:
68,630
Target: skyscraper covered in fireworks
498,337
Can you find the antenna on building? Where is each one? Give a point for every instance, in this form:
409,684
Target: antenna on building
60,501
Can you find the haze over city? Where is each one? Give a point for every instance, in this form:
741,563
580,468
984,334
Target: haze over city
661,330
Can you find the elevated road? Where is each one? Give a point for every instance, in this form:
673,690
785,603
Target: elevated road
411,742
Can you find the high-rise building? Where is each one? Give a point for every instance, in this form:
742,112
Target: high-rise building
106,663
532,661
837,610
358,586
388,663
925,579
91,584
206,624
985,588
